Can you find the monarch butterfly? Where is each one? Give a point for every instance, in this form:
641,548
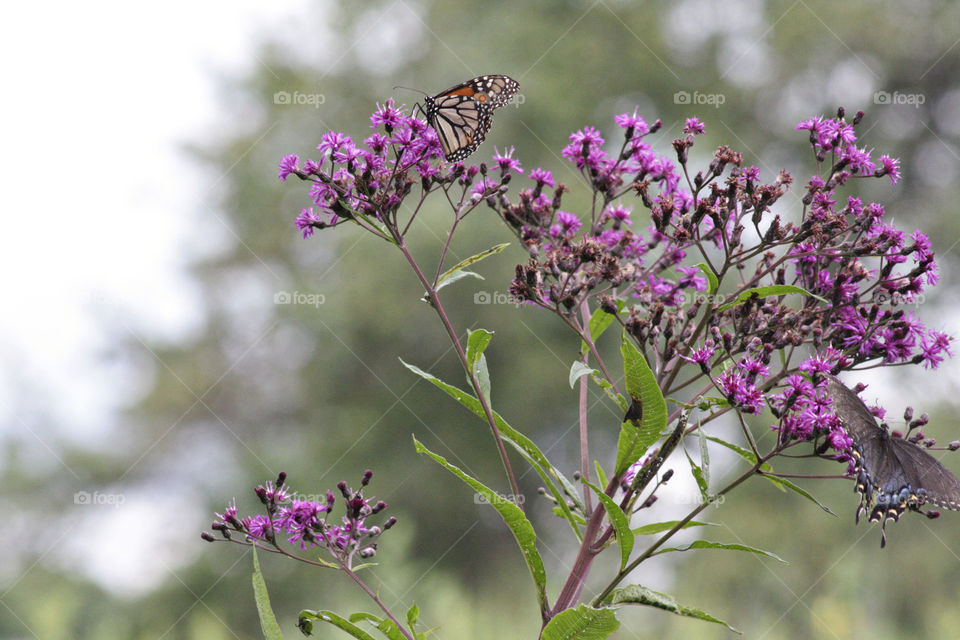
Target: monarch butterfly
462,114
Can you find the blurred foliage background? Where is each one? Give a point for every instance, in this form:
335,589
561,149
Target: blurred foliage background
319,391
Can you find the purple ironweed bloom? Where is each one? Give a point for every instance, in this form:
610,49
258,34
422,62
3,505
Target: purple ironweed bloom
542,177
259,526
289,164
568,224
741,393
889,167
935,345
693,278
333,141
701,355
634,124
693,126
506,161
307,221
388,115
859,160
618,214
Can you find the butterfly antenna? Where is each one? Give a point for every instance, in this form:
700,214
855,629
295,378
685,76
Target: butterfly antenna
411,89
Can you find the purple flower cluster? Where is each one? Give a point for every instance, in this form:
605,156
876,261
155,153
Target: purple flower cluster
306,523
353,181
695,285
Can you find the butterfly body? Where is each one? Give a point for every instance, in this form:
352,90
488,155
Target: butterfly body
893,475
462,114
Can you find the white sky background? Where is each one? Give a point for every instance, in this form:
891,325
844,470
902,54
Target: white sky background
98,205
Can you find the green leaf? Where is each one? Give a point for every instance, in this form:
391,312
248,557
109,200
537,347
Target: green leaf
513,517
413,614
579,369
740,451
460,275
449,273
636,594
620,522
307,618
607,389
699,476
477,342
268,621
550,475
784,484
599,322
582,623
706,544
766,292
386,626
601,474
704,457
659,527
641,384
714,284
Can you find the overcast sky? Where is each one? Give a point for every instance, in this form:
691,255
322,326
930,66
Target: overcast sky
98,205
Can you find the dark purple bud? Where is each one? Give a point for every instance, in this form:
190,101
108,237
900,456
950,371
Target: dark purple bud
342,485
380,506
908,414
281,478
206,536
375,531
608,304
262,494
953,446
366,477
649,502
389,523
368,552
858,118
667,476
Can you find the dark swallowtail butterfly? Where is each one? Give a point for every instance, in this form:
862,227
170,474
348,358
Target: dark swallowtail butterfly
900,473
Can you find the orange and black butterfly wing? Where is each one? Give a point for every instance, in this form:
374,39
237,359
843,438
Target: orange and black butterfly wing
462,114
